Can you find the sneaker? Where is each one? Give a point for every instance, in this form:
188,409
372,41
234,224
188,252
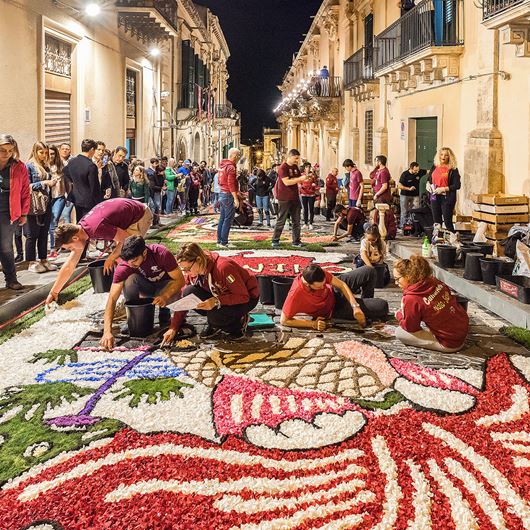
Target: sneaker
48,266
298,245
259,224
209,332
235,337
37,267
310,227
53,255
275,244
14,286
19,259
306,227
222,245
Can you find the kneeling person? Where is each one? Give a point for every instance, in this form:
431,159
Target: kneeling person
229,292
322,296
351,219
146,271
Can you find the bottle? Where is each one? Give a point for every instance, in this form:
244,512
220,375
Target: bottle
426,249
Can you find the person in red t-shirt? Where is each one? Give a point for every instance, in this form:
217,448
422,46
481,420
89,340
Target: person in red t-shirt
355,194
228,198
332,189
380,177
112,220
229,293
286,192
309,189
350,219
144,271
426,299
321,296
443,183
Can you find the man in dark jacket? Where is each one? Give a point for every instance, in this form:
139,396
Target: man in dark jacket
229,201
156,183
117,173
82,182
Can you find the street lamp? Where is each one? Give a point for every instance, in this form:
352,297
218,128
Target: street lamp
93,9
154,52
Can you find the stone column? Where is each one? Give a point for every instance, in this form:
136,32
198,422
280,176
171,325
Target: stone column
483,170
380,122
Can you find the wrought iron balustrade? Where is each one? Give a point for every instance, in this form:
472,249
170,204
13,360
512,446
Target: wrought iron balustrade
166,8
330,87
430,23
188,96
225,110
57,56
359,67
494,7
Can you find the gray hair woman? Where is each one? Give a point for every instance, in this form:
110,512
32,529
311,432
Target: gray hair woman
14,204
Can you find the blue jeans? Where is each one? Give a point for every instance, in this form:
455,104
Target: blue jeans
170,199
262,204
67,212
225,219
155,202
215,200
57,209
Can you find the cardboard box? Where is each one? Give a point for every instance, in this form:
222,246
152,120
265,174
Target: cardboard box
501,219
499,199
504,209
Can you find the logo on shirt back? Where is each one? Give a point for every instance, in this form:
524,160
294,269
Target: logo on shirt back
230,279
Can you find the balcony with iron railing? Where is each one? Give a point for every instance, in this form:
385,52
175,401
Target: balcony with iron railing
359,74
491,8
149,20
320,87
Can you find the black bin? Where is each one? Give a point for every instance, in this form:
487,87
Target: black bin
140,317
281,286
490,268
446,256
101,282
472,270
266,292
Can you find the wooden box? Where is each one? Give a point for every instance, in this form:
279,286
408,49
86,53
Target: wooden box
502,209
499,199
500,219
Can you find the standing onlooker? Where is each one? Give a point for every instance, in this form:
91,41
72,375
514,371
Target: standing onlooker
122,170
444,182
252,187
206,183
273,175
380,177
324,81
156,183
286,191
355,195
229,200
58,195
81,179
195,188
263,187
65,151
101,159
14,205
170,176
184,171
39,218
332,189
309,189
216,192
409,187
161,173
139,185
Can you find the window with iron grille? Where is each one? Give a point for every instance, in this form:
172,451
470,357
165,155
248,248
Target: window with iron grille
57,56
131,93
368,136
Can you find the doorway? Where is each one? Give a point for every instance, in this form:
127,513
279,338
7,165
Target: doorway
426,141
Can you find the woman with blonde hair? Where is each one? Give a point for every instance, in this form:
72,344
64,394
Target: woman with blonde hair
444,181
14,205
429,301
37,228
139,185
58,191
228,292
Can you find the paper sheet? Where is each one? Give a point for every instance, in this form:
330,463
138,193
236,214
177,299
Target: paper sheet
185,304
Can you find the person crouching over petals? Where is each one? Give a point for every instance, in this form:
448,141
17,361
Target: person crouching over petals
429,301
320,295
228,291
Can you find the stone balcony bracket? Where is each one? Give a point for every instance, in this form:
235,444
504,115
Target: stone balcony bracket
365,91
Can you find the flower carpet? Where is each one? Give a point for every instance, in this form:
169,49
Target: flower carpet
285,430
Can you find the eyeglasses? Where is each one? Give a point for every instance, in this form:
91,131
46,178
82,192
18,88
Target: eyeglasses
187,269
397,278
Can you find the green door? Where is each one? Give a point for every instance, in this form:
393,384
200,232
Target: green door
426,141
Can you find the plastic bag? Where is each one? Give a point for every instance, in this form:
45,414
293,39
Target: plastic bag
522,263
480,236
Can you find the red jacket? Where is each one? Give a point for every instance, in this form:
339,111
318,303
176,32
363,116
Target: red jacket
227,176
309,188
19,194
227,281
332,186
431,301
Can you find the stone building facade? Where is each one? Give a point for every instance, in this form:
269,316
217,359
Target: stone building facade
148,75
403,83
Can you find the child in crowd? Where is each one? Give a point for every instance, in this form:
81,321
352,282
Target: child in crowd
373,251
426,299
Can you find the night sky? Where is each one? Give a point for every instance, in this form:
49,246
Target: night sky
262,36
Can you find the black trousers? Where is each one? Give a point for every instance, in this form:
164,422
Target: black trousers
444,208
229,318
7,258
330,212
309,209
421,217
36,230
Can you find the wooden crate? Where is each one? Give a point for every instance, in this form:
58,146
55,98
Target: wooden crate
502,209
500,219
499,199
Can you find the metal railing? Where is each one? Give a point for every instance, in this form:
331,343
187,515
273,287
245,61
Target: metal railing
430,23
494,7
225,110
188,96
166,8
359,67
330,87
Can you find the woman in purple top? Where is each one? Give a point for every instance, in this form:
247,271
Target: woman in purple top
112,220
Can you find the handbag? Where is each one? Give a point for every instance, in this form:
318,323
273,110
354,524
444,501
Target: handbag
39,201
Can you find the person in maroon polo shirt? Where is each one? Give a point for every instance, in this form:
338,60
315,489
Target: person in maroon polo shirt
380,177
350,219
112,220
286,192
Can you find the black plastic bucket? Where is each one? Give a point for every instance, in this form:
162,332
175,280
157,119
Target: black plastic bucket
379,275
281,286
140,317
486,248
446,256
101,282
472,270
507,267
266,292
490,268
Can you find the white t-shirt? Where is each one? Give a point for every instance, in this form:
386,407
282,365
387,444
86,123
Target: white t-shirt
373,253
